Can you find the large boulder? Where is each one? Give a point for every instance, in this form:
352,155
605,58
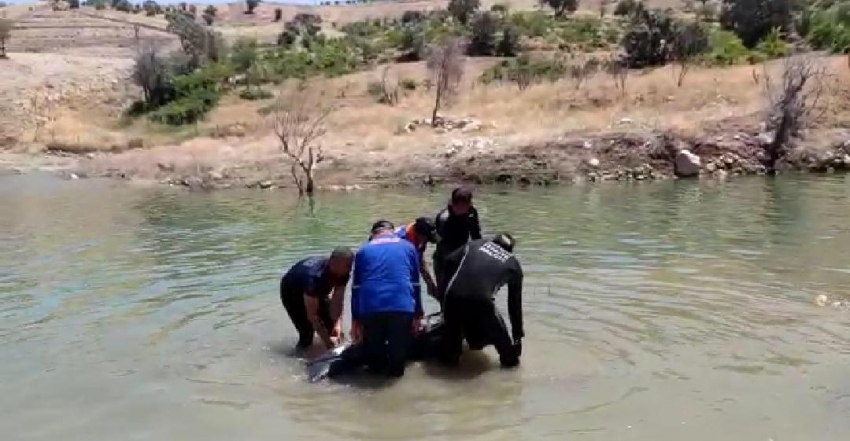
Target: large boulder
687,164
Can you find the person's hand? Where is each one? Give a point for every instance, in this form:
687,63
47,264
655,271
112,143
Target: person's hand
356,332
416,325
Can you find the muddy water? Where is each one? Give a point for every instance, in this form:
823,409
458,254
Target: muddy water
666,311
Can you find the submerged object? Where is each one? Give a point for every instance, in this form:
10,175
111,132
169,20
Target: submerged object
319,367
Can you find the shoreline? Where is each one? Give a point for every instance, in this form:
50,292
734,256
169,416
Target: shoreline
724,152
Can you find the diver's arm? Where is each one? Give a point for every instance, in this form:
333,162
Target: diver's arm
427,277
475,227
515,303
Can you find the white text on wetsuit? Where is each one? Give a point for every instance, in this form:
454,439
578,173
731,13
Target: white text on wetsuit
495,251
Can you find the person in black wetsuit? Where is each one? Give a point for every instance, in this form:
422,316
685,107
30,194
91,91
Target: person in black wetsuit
456,225
472,276
305,291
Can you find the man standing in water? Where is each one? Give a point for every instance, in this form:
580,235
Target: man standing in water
386,303
420,233
473,275
305,291
456,225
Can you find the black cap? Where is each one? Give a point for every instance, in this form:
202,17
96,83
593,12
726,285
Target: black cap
425,227
382,225
462,195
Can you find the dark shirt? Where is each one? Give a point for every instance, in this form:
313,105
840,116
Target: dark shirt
311,277
455,231
479,270
386,277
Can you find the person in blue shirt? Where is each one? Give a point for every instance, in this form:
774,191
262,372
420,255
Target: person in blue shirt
386,300
305,291
420,233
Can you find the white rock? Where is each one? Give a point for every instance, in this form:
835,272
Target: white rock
821,300
593,162
686,164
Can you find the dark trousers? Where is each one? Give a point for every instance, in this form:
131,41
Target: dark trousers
424,346
386,340
477,320
293,302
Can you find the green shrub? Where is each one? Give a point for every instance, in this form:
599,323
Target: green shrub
773,46
255,94
525,71
408,84
533,24
726,49
828,29
195,95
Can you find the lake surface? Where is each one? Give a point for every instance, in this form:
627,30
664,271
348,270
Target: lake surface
659,311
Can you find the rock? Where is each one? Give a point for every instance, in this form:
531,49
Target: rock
623,121
593,162
73,176
215,176
846,159
711,167
686,164
90,155
265,184
821,300
765,139
193,182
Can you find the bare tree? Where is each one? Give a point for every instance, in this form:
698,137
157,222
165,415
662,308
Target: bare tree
793,102
299,122
618,69
446,64
5,32
689,41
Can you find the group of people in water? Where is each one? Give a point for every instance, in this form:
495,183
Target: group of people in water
386,301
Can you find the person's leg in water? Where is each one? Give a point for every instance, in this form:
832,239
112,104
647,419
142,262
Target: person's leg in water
501,339
293,303
399,337
374,342
452,339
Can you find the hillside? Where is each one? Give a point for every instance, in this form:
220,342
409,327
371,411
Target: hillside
67,85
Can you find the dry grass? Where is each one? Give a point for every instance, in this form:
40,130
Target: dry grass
544,111
365,132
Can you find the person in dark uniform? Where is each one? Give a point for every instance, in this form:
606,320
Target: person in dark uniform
305,291
420,233
473,275
456,225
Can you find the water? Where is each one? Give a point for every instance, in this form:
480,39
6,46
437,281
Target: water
665,311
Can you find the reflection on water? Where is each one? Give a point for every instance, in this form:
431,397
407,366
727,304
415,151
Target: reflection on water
666,311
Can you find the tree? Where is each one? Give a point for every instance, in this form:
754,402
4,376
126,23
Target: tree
648,38
412,42
209,14
561,7
243,56
483,40
792,103
509,43
99,5
151,74
462,10
278,14
196,40
6,26
752,20
690,40
73,4
151,8
299,122
251,4
446,65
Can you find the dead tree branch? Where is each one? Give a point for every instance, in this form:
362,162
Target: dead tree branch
299,122
793,102
446,64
